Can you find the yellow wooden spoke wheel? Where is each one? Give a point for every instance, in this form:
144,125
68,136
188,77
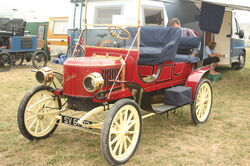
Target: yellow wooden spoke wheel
202,105
121,131
37,114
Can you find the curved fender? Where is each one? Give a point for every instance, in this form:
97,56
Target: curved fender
194,78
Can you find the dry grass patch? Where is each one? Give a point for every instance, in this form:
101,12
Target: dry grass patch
174,141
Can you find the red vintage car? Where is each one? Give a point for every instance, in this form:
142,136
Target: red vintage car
127,73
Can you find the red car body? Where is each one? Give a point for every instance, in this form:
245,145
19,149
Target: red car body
96,60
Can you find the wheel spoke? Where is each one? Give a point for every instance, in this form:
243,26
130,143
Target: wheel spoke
37,125
125,144
207,99
115,139
31,125
129,140
203,111
42,125
115,132
39,102
121,146
198,110
206,93
198,103
129,118
117,145
132,132
131,124
46,104
31,117
121,119
116,123
126,116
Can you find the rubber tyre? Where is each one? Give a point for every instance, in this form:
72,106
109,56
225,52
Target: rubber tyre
111,114
79,52
21,113
39,57
194,115
6,60
242,61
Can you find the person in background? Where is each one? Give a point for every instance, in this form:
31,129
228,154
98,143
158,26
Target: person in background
211,58
175,22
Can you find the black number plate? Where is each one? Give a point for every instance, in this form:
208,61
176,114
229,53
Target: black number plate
73,122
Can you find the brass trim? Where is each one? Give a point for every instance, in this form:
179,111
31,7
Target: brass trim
111,48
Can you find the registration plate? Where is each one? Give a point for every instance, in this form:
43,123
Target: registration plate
73,122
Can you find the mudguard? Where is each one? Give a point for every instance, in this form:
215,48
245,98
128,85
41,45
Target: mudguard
195,77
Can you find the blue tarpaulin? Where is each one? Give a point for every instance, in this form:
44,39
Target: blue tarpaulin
211,17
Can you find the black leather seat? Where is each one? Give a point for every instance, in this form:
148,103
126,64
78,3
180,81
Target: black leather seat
160,44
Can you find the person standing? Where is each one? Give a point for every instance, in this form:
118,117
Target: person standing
175,22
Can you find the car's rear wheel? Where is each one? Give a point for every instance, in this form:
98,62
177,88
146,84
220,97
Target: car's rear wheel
37,113
201,107
6,61
121,132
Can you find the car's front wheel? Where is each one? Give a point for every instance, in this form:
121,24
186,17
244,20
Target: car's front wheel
37,113
121,132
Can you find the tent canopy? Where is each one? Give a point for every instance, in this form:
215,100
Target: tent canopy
229,4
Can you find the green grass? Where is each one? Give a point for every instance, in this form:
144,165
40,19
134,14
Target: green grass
174,141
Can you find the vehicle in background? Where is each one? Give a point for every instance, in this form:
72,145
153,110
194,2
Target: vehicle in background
40,29
230,39
15,46
57,35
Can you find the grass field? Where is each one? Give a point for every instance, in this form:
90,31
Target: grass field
168,141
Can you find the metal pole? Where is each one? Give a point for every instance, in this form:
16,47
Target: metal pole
81,14
74,20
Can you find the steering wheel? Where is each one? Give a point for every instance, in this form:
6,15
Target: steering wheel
113,30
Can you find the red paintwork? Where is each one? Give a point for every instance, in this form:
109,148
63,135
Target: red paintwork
76,69
195,77
118,94
145,70
58,92
167,70
172,74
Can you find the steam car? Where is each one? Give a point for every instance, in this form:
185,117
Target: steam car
128,73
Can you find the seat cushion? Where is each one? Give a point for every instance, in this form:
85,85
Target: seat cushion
150,50
186,58
158,44
188,42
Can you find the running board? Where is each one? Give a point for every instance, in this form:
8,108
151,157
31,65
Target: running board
166,108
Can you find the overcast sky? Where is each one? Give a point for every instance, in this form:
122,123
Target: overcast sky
37,10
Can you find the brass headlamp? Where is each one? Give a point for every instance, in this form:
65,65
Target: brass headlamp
44,75
93,82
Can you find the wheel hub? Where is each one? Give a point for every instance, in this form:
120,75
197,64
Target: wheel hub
40,117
